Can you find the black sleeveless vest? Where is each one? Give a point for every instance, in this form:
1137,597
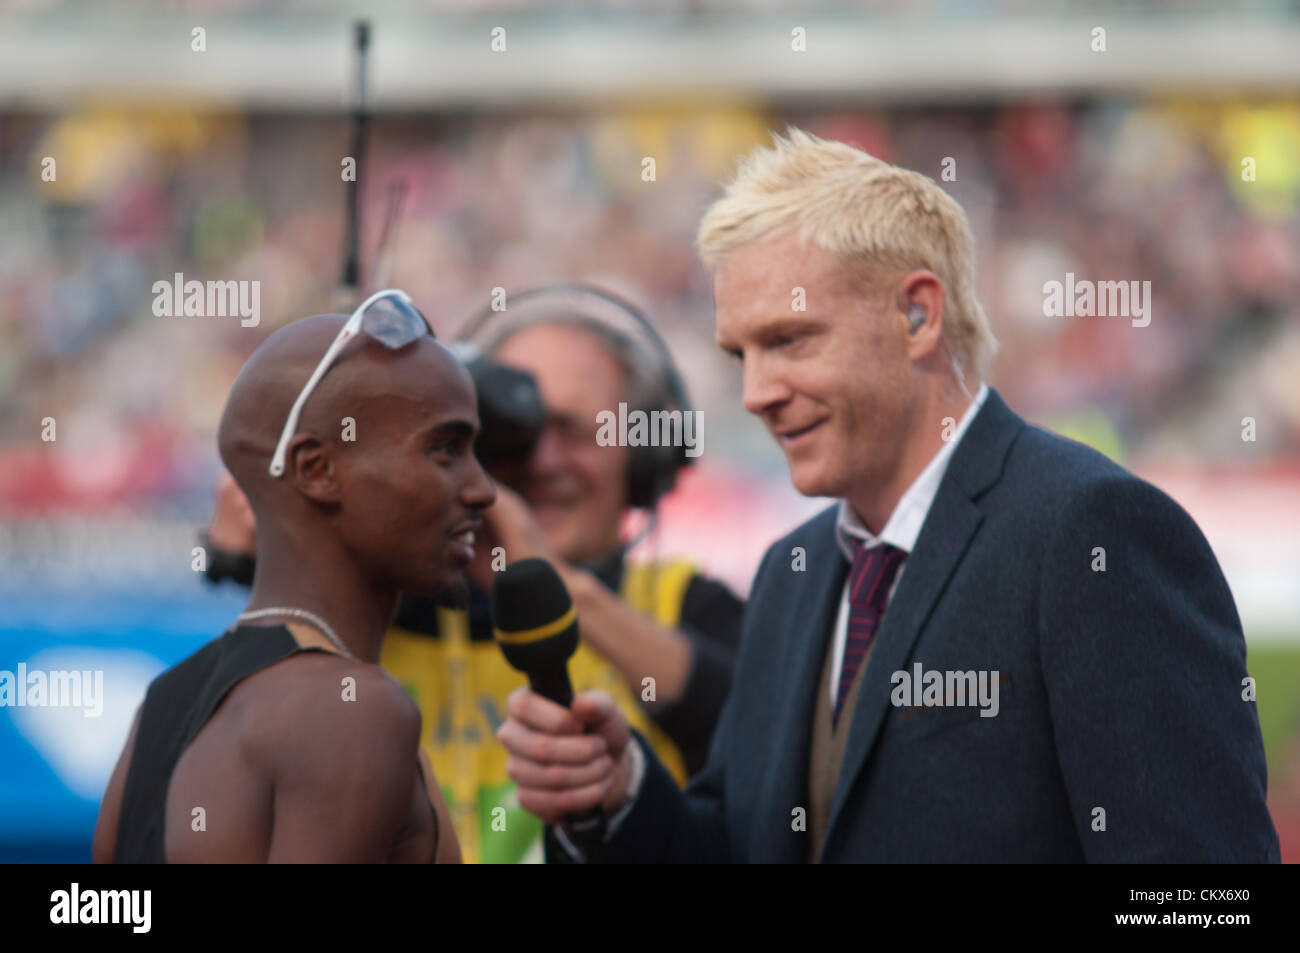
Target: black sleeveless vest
177,706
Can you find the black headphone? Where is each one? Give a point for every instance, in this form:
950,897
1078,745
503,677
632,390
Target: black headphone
652,471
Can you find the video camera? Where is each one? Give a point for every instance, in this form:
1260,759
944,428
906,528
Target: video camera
511,414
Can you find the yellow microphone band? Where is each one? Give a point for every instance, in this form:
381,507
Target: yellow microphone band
541,632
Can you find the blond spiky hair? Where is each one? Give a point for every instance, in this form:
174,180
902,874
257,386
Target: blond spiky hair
883,222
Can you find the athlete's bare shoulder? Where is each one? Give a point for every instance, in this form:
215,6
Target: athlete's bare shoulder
338,739
326,687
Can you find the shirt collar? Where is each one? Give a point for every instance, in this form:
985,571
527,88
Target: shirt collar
905,522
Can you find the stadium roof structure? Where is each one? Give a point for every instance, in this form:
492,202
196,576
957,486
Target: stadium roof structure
445,61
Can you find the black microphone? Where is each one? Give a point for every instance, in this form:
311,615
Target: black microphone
536,625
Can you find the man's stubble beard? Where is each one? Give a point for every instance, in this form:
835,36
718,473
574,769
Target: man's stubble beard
453,594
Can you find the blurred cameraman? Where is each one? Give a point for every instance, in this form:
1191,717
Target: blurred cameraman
659,636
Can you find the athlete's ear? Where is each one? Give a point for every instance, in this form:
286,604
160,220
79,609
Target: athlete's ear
311,468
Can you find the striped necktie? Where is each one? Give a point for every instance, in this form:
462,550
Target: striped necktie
869,581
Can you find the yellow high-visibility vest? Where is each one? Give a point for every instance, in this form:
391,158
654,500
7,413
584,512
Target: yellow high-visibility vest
461,688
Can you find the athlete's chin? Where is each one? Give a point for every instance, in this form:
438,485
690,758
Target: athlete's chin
449,588
452,592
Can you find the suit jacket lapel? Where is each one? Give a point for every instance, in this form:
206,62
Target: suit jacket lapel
816,596
949,527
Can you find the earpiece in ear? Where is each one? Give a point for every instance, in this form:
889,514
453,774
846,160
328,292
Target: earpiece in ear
916,317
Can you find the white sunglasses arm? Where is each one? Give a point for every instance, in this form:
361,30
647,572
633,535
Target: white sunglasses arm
291,425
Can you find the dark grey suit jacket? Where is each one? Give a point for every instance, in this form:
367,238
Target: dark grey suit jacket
1120,690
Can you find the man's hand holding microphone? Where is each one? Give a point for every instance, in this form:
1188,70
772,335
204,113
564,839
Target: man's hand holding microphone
570,758
566,761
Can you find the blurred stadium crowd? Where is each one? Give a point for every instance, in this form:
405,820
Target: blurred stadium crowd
1129,191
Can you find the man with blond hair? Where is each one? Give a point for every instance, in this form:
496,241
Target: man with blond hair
997,645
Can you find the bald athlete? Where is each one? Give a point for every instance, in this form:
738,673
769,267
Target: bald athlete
249,750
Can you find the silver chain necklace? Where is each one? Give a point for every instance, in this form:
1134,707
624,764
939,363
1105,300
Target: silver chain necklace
311,617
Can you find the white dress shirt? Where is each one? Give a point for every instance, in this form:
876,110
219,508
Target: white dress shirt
900,530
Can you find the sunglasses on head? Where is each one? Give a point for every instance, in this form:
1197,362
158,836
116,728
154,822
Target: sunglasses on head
388,316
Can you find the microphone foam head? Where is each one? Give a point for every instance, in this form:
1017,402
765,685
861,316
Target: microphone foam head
533,616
